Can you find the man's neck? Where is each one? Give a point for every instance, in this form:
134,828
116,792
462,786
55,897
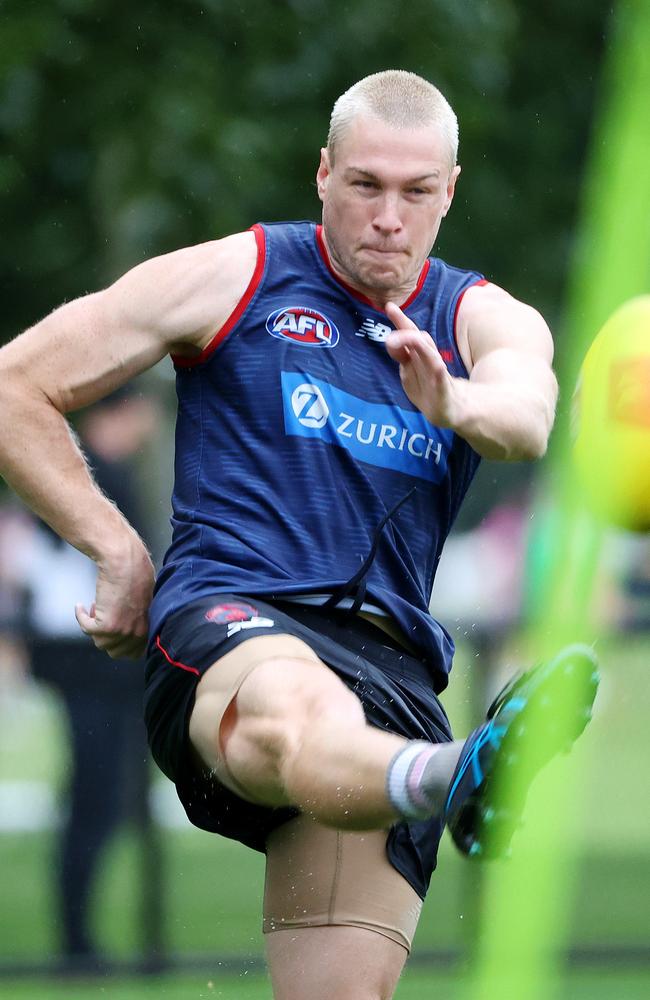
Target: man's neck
377,297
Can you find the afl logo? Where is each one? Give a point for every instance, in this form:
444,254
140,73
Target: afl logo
303,326
309,406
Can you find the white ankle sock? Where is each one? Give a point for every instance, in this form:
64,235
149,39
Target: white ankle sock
418,777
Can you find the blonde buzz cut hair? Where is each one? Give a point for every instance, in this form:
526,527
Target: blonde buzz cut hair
398,98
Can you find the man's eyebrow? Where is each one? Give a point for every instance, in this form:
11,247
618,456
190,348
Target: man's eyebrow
433,175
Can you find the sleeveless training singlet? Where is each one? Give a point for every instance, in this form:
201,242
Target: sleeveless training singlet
302,468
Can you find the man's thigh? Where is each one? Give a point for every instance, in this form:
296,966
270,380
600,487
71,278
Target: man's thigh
317,876
338,917
217,706
333,963
394,689
206,632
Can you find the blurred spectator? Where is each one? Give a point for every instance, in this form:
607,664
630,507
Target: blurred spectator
101,697
636,614
622,588
494,551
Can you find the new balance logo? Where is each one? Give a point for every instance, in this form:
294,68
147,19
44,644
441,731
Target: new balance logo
374,331
235,627
379,332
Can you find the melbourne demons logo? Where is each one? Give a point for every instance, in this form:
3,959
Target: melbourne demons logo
303,326
230,612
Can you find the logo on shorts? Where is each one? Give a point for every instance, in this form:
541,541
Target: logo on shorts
222,614
250,623
303,326
237,615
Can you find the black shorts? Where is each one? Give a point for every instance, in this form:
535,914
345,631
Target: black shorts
394,688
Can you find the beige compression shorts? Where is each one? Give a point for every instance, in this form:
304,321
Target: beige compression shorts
225,681
316,876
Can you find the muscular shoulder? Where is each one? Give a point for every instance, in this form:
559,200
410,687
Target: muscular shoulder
490,319
185,296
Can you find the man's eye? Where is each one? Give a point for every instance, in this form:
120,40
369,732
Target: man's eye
364,184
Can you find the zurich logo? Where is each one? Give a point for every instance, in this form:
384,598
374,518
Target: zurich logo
303,326
309,405
380,434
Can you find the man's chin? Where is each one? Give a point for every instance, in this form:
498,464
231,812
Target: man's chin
381,277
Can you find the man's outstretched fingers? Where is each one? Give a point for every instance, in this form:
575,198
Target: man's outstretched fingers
398,318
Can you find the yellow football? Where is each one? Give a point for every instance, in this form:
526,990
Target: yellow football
611,419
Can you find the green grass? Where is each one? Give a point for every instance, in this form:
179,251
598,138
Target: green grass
416,984
213,899
213,887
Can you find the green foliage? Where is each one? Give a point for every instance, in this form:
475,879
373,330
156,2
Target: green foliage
129,130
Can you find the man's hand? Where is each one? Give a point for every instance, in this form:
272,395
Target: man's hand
505,409
117,621
423,373
77,355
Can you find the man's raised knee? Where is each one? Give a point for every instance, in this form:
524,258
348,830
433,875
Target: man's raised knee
279,706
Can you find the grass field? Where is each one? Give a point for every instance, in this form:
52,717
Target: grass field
417,984
213,899
212,887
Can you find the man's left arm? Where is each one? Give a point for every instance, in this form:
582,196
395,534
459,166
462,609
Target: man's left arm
505,409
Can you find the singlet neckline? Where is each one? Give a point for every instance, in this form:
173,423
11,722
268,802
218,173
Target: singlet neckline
320,242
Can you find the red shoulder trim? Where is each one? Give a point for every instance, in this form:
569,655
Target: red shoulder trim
238,311
175,663
480,281
353,291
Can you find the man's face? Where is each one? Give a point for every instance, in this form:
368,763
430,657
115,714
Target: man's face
383,201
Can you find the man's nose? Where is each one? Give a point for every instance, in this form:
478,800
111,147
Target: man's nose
387,217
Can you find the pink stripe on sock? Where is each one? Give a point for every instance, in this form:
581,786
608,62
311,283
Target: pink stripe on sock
414,777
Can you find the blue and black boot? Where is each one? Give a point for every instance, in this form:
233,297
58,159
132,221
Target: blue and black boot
536,716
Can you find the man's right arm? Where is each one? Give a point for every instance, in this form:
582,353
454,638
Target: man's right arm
80,353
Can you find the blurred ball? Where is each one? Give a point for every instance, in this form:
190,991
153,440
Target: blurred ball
611,413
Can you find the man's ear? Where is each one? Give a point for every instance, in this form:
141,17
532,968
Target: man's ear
323,173
451,188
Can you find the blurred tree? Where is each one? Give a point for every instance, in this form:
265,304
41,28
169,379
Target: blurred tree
128,130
